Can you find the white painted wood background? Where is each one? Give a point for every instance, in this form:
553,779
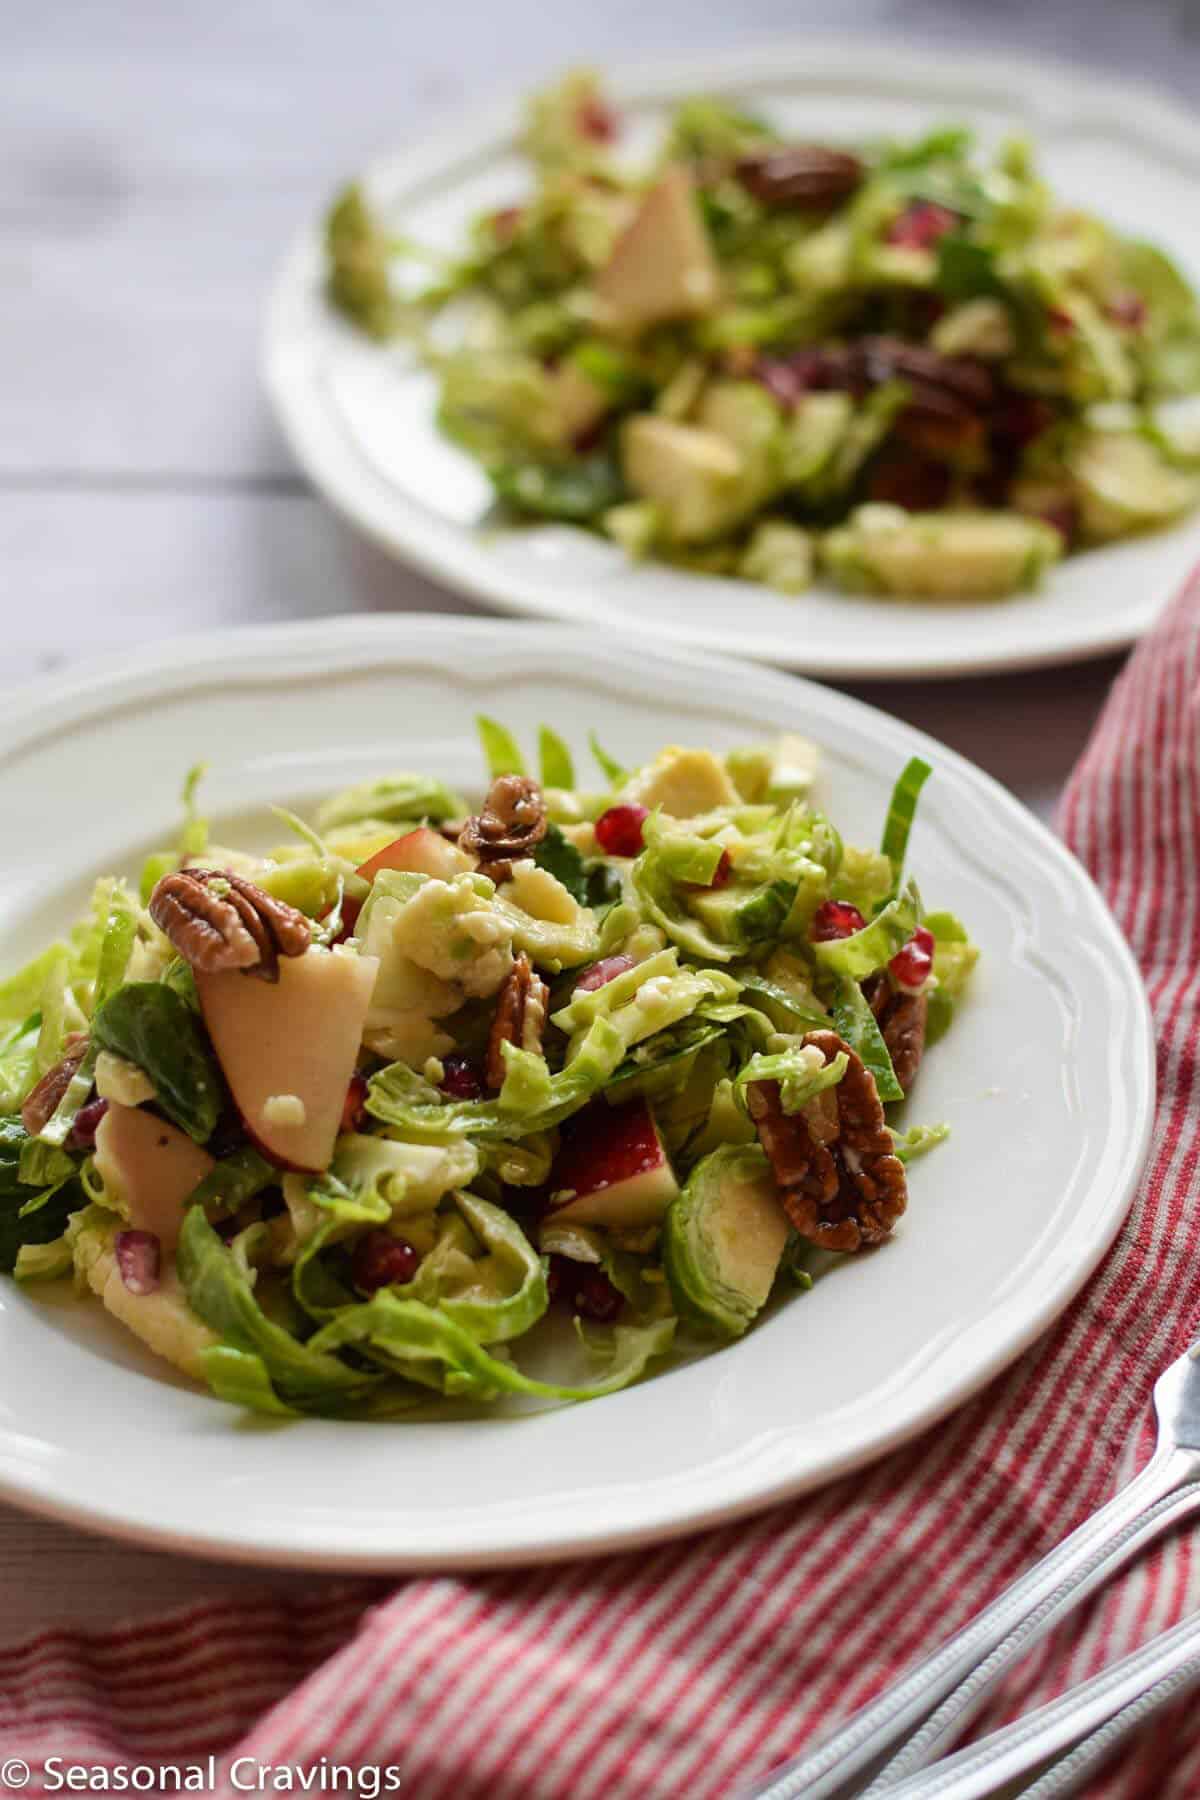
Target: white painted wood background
154,159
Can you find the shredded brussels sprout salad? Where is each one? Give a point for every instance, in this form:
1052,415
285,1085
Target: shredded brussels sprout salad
370,1119
906,364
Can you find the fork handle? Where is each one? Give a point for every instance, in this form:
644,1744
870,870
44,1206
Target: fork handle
1104,1708
956,1711
1070,1571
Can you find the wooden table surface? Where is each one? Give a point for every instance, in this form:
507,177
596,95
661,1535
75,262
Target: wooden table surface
153,162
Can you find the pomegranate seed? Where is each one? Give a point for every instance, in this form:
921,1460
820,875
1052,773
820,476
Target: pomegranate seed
788,378
585,1288
921,224
1018,418
504,223
1064,518
606,970
619,830
354,1105
83,1132
381,1260
1062,321
908,479
835,919
913,965
1128,309
139,1257
597,121
460,1078
723,873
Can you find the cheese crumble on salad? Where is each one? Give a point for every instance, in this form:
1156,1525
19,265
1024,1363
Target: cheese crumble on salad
448,1103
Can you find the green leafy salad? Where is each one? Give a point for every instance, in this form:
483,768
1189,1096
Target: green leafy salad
433,1102
905,364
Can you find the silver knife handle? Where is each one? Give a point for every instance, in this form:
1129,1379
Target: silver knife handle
1159,1672
955,1713
865,1739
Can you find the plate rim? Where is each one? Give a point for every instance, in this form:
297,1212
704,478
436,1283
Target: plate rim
451,554
85,696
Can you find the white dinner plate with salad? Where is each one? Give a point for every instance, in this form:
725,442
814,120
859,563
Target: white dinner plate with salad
676,887
755,404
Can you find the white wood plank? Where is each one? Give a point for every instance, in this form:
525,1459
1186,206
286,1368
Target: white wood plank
90,572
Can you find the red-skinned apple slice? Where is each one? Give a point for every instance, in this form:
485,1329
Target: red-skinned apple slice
613,1166
421,852
288,1049
151,1166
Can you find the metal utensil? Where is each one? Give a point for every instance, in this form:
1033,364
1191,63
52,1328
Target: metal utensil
1166,1491
1128,1691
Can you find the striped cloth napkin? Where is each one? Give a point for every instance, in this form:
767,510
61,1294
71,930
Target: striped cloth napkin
687,1670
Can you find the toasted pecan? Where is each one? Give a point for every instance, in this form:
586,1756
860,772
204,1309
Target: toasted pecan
219,921
797,175
843,1187
510,825
41,1102
520,1018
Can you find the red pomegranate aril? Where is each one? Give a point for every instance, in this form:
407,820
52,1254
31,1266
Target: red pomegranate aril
913,965
504,223
1128,309
1064,518
835,919
585,1288
597,121
602,972
354,1106
1062,321
381,1260
921,224
723,873
83,1131
619,830
139,1258
460,1078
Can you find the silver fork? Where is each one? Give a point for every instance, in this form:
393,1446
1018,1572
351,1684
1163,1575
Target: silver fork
951,1684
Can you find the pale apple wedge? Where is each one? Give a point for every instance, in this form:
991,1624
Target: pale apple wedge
420,852
612,1169
288,1048
662,266
151,1167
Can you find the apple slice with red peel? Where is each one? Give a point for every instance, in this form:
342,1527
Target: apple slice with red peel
420,852
151,1166
288,1049
612,1168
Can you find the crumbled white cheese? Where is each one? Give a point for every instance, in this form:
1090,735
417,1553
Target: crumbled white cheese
122,1081
284,1109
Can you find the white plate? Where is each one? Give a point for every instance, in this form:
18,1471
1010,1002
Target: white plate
361,419
1047,1083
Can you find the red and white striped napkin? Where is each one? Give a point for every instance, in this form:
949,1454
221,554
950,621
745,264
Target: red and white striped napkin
687,1670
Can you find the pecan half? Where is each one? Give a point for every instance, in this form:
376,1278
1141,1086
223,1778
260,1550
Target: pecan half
217,921
41,1102
942,379
840,1181
520,1019
799,175
900,1016
512,822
